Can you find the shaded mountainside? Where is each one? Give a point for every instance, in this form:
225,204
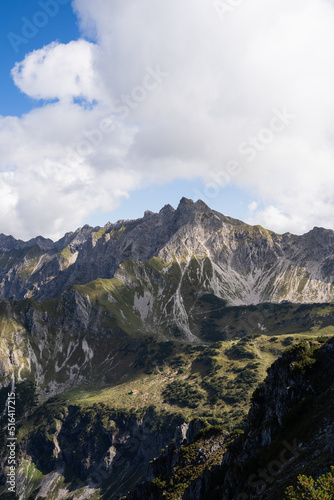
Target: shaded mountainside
289,431
240,263
92,334
132,393
294,410
290,425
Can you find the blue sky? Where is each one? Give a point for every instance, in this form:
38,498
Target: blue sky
62,27
107,111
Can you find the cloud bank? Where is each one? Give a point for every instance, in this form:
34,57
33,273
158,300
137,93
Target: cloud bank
167,90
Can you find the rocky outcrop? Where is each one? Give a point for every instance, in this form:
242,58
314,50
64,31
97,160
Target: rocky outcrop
189,456
289,428
108,450
62,344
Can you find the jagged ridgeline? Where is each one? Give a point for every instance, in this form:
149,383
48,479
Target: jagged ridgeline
124,338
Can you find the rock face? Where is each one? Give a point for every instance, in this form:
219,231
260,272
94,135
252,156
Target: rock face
98,444
192,456
240,263
61,344
289,427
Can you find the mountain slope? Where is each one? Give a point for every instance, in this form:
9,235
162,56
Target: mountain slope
92,334
107,437
240,263
288,431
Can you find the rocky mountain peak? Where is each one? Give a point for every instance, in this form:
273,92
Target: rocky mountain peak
185,202
148,213
189,205
167,209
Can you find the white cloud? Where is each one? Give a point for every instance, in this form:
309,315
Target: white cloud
59,71
225,78
253,206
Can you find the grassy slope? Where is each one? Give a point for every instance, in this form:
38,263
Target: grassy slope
223,376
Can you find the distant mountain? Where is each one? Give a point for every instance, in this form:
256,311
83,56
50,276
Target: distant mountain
239,263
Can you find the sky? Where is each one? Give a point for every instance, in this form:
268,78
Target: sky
109,108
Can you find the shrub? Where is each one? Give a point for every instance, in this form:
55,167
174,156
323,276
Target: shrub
307,488
287,341
305,353
240,351
210,430
159,484
237,432
247,378
182,393
322,340
212,364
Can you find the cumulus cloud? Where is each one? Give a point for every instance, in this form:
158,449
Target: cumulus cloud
171,90
59,71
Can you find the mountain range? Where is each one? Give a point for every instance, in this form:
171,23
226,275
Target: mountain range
123,338
241,263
